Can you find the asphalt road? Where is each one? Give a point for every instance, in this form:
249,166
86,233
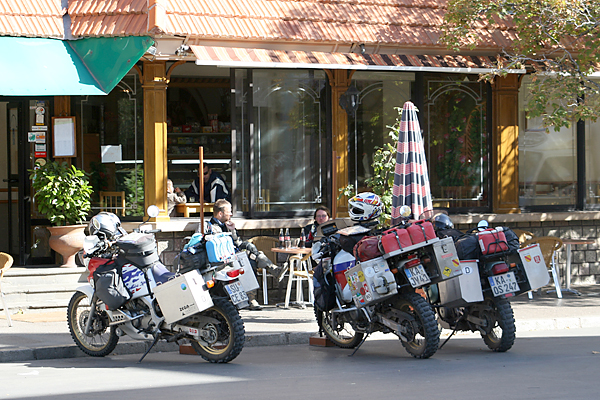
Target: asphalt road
557,364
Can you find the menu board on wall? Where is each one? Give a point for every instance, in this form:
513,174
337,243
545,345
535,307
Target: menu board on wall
63,130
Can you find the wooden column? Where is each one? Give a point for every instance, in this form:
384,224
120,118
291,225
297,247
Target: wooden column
505,149
155,136
339,81
62,106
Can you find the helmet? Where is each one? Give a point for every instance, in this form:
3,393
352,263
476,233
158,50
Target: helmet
442,221
365,207
106,224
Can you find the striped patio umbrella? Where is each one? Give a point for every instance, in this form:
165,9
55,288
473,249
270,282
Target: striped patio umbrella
411,178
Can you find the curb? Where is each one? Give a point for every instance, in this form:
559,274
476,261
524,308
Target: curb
140,347
557,323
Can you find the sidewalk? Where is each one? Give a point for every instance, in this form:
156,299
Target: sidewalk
36,336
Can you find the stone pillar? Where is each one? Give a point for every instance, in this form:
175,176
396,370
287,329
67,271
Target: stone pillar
155,136
505,149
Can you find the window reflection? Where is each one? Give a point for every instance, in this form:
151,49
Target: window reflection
289,140
547,169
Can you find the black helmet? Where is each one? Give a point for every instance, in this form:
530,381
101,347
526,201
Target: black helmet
106,224
442,221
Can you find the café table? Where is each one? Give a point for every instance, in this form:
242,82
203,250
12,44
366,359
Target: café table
568,243
187,208
299,268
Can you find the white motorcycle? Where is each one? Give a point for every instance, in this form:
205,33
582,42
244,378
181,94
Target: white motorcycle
131,293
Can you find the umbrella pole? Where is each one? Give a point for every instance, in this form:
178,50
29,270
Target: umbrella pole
201,188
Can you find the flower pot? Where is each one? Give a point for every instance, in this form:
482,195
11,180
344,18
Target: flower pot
67,241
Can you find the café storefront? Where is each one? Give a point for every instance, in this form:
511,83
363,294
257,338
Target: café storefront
271,132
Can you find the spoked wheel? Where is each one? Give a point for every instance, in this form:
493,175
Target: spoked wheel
225,338
500,330
422,333
102,338
338,331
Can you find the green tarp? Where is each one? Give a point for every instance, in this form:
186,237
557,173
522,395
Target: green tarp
52,67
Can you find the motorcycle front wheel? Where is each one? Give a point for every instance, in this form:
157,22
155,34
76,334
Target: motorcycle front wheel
422,332
500,330
225,338
338,331
102,338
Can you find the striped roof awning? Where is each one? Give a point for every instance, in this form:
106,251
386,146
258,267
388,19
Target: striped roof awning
236,57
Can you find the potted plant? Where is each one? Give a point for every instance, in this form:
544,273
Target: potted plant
62,194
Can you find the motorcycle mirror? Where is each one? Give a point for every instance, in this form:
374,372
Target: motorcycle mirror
405,211
483,225
153,211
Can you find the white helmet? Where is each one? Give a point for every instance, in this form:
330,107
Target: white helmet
106,224
365,207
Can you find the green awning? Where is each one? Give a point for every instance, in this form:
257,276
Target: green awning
52,67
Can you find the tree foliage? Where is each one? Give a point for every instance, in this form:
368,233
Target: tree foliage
561,35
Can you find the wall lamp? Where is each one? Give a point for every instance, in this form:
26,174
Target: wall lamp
349,100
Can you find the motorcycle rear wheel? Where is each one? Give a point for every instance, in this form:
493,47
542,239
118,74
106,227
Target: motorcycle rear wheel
500,318
342,334
103,339
424,334
228,336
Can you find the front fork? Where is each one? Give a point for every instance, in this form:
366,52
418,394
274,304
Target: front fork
88,323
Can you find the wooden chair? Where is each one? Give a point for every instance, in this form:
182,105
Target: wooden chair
549,245
300,270
6,261
265,244
523,235
113,202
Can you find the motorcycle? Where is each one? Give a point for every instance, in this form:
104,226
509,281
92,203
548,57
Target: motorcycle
372,293
493,270
131,293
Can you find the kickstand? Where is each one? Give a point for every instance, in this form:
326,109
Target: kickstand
151,346
360,344
453,332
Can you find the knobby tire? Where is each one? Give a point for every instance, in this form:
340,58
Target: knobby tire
102,339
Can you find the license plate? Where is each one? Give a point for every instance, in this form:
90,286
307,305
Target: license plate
417,276
236,292
503,284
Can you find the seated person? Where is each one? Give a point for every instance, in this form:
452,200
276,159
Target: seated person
221,222
174,196
215,187
322,215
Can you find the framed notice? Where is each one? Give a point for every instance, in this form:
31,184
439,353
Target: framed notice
63,131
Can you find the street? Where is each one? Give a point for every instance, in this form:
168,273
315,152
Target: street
541,365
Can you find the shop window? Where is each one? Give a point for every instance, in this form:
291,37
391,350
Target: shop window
456,142
198,114
112,143
380,94
281,147
547,162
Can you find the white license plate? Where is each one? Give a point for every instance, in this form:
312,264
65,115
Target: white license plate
236,292
417,276
503,284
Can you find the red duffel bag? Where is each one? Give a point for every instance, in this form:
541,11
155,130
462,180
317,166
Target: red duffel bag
492,241
395,239
367,248
421,231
